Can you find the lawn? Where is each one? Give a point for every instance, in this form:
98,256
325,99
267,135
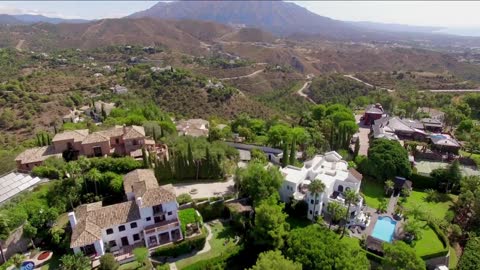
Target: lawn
372,192
430,243
222,240
452,264
475,157
436,209
130,266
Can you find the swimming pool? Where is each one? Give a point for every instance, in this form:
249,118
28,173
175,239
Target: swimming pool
384,229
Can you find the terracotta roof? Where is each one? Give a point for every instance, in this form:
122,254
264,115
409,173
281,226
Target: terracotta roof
115,131
134,132
37,154
95,137
92,218
355,174
157,196
145,176
77,135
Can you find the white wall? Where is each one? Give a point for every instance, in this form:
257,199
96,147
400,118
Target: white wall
117,235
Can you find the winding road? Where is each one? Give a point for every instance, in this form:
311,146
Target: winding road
301,93
253,74
367,84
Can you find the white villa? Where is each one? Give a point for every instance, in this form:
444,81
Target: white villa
149,218
333,172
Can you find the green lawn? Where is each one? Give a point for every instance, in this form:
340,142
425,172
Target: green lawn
436,209
452,264
187,216
475,157
430,243
373,192
130,266
222,240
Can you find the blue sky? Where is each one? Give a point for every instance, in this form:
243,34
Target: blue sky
441,13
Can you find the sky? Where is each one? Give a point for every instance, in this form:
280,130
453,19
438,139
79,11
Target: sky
424,13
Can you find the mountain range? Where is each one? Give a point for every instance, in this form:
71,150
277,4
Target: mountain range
24,19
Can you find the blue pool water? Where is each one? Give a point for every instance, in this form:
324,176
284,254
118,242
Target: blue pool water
384,229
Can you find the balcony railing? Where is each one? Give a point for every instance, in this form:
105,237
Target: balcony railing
162,226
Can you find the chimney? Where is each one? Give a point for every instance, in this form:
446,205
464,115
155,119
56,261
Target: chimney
139,202
73,219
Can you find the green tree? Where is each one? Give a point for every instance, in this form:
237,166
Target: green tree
351,197
258,155
388,187
357,148
18,259
271,227
293,153
316,188
400,256
95,176
108,262
318,248
278,135
318,112
414,228
30,232
470,259
336,211
75,262
285,158
387,159
258,182
272,260
4,233
141,256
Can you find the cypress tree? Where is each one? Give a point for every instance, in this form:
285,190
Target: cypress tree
39,143
208,163
285,155
357,147
146,163
49,139
191,162
293,153
154,135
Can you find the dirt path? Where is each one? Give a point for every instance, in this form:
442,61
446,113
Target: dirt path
19,45
367,84
450,90
363,132
301,93
244,76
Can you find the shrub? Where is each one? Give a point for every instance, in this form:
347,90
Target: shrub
117,165
184,198
108,262
210,211
163,267
183,247
46,172
188,216
423,182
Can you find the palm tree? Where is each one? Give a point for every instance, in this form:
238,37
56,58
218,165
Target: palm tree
389,184
336,211
95,176
316,187
350,198
4,233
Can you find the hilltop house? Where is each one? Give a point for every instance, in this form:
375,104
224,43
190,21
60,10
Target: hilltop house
372,112
119,140
193,127
333,172
395,128
148,218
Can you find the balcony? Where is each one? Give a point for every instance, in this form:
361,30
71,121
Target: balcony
162,226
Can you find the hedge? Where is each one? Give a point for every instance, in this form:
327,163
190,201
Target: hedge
184,247
211,211
423,182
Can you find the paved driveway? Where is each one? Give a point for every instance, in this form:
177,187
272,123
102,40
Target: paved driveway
362,136
205,190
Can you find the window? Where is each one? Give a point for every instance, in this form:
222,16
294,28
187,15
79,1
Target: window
169,213
117,141
121,228
112,243
310,212
316,201
148,219
133,225
136,237
109,231
311,201
135,142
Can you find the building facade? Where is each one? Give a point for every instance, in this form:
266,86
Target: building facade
333,172
148,218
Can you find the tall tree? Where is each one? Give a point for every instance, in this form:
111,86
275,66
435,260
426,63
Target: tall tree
318,248
271,227
258,182
400,256
470,259
316,188
4,233
285,159
75,262
351,197
293,153
271,260
387,159
108,262
336,212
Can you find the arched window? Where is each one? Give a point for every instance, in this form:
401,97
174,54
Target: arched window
340,188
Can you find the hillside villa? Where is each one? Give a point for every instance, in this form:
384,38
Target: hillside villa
373,112
193,127
148,218
334,173
118,140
